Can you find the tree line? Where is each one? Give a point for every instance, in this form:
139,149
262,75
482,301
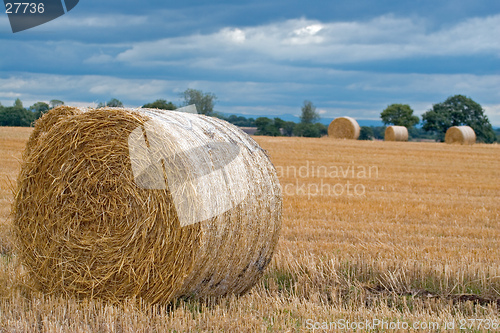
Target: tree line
18,115
454,111
457,110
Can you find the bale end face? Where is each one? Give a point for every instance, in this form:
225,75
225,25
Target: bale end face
344,128
464,135
396,133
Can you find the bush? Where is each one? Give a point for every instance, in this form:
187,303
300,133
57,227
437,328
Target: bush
16,116
366,133
306,130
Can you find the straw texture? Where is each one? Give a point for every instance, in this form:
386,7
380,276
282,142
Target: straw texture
464,135
84,227
396,133
344,128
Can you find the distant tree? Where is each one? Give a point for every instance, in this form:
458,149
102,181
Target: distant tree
266,126
18,104
378,132
160,104
497,132
39,108
399,115
236,120
112,103
306,130
246,122
288,127
419,133
279,123
456,111
204,102
323,130
309,114
55,103
16,115
366,133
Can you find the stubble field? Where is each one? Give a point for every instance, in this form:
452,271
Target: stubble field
394,235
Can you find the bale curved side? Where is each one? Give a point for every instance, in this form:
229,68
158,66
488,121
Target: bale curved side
464,135
84,227
396,133
344,128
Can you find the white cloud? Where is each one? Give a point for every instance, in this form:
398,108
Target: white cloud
71,20
99,59
493,113
385,37
234,35
9,94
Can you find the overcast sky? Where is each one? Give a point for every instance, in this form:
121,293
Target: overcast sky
260,57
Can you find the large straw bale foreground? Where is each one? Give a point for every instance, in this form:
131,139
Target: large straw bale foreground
87,225
344,128
464,135
396,133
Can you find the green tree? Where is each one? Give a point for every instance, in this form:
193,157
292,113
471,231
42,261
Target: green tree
266,126
160,104
458,110
279,123
288,127
323,129
306,130
55,103
39,108
236,120
204,102
112,103
497,132
366,133
399,115
309,114
378,132
16,115
18,104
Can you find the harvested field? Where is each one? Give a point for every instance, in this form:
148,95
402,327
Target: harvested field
371,231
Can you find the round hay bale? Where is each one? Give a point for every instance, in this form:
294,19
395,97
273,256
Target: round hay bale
344,128
120,203
396,133
464,135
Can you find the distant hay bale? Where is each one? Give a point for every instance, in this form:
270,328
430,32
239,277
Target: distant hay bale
344,128
464,135
100,212
396,133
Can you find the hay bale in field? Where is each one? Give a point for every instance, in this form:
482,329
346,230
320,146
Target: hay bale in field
344,128
464,135
117,203
396,133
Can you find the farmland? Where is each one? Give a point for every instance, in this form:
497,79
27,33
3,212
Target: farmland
372,231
